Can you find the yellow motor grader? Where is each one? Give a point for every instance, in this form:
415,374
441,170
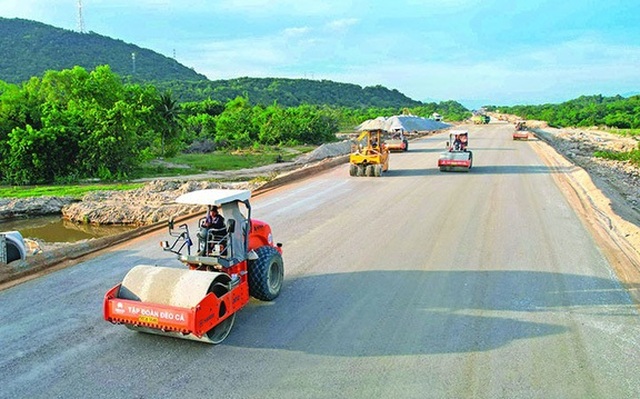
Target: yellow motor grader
369,154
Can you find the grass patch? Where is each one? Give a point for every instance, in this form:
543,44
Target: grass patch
76,191
150,171
240,159
224,161
633,156
196,163
221,161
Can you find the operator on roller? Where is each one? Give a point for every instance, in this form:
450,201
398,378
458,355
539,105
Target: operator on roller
213,228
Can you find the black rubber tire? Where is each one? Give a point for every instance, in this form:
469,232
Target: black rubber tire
266,274
377,171
360,172
470,160
353,170
369,171
406,145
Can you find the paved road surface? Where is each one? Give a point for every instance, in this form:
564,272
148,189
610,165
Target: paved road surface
419,284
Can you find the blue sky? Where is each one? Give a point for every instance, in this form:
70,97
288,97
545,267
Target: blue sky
477,52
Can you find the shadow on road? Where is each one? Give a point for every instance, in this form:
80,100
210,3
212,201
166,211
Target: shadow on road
411,172
397,313
419,312
426,150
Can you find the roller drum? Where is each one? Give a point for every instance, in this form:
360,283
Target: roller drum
175,287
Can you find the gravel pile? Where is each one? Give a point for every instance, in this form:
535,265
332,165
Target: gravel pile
325,151
407,123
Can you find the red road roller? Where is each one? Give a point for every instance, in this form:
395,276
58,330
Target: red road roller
200,302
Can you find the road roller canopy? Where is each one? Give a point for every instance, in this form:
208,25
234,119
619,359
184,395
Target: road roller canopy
458,140
214,197
458,132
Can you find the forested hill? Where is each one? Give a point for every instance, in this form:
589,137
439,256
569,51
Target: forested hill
289,92
30,48
584,111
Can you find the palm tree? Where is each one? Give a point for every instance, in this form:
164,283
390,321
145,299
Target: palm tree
169,111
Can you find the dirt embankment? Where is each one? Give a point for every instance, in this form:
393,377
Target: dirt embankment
620,179
605,193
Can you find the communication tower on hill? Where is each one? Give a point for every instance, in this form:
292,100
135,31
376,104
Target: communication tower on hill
80,18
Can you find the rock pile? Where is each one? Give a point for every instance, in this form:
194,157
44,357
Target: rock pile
11,208
149,204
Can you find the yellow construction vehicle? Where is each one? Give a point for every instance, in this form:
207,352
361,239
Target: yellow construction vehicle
369,154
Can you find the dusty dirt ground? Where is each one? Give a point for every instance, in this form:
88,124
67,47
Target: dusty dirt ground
155,201
619,180
605,193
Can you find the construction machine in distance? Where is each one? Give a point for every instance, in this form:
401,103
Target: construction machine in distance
481,119
457,157
200,302
369,154
397,141
521,132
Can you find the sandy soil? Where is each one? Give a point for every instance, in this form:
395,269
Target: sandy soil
604,193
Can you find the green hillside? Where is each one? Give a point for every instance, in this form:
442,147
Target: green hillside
30,48
289,92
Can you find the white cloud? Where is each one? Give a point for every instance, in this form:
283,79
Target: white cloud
341,24
296,31
440,6
554,74
127,4
586,50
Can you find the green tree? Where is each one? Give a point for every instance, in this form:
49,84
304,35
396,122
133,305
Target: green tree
169,111
235,127
73,124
